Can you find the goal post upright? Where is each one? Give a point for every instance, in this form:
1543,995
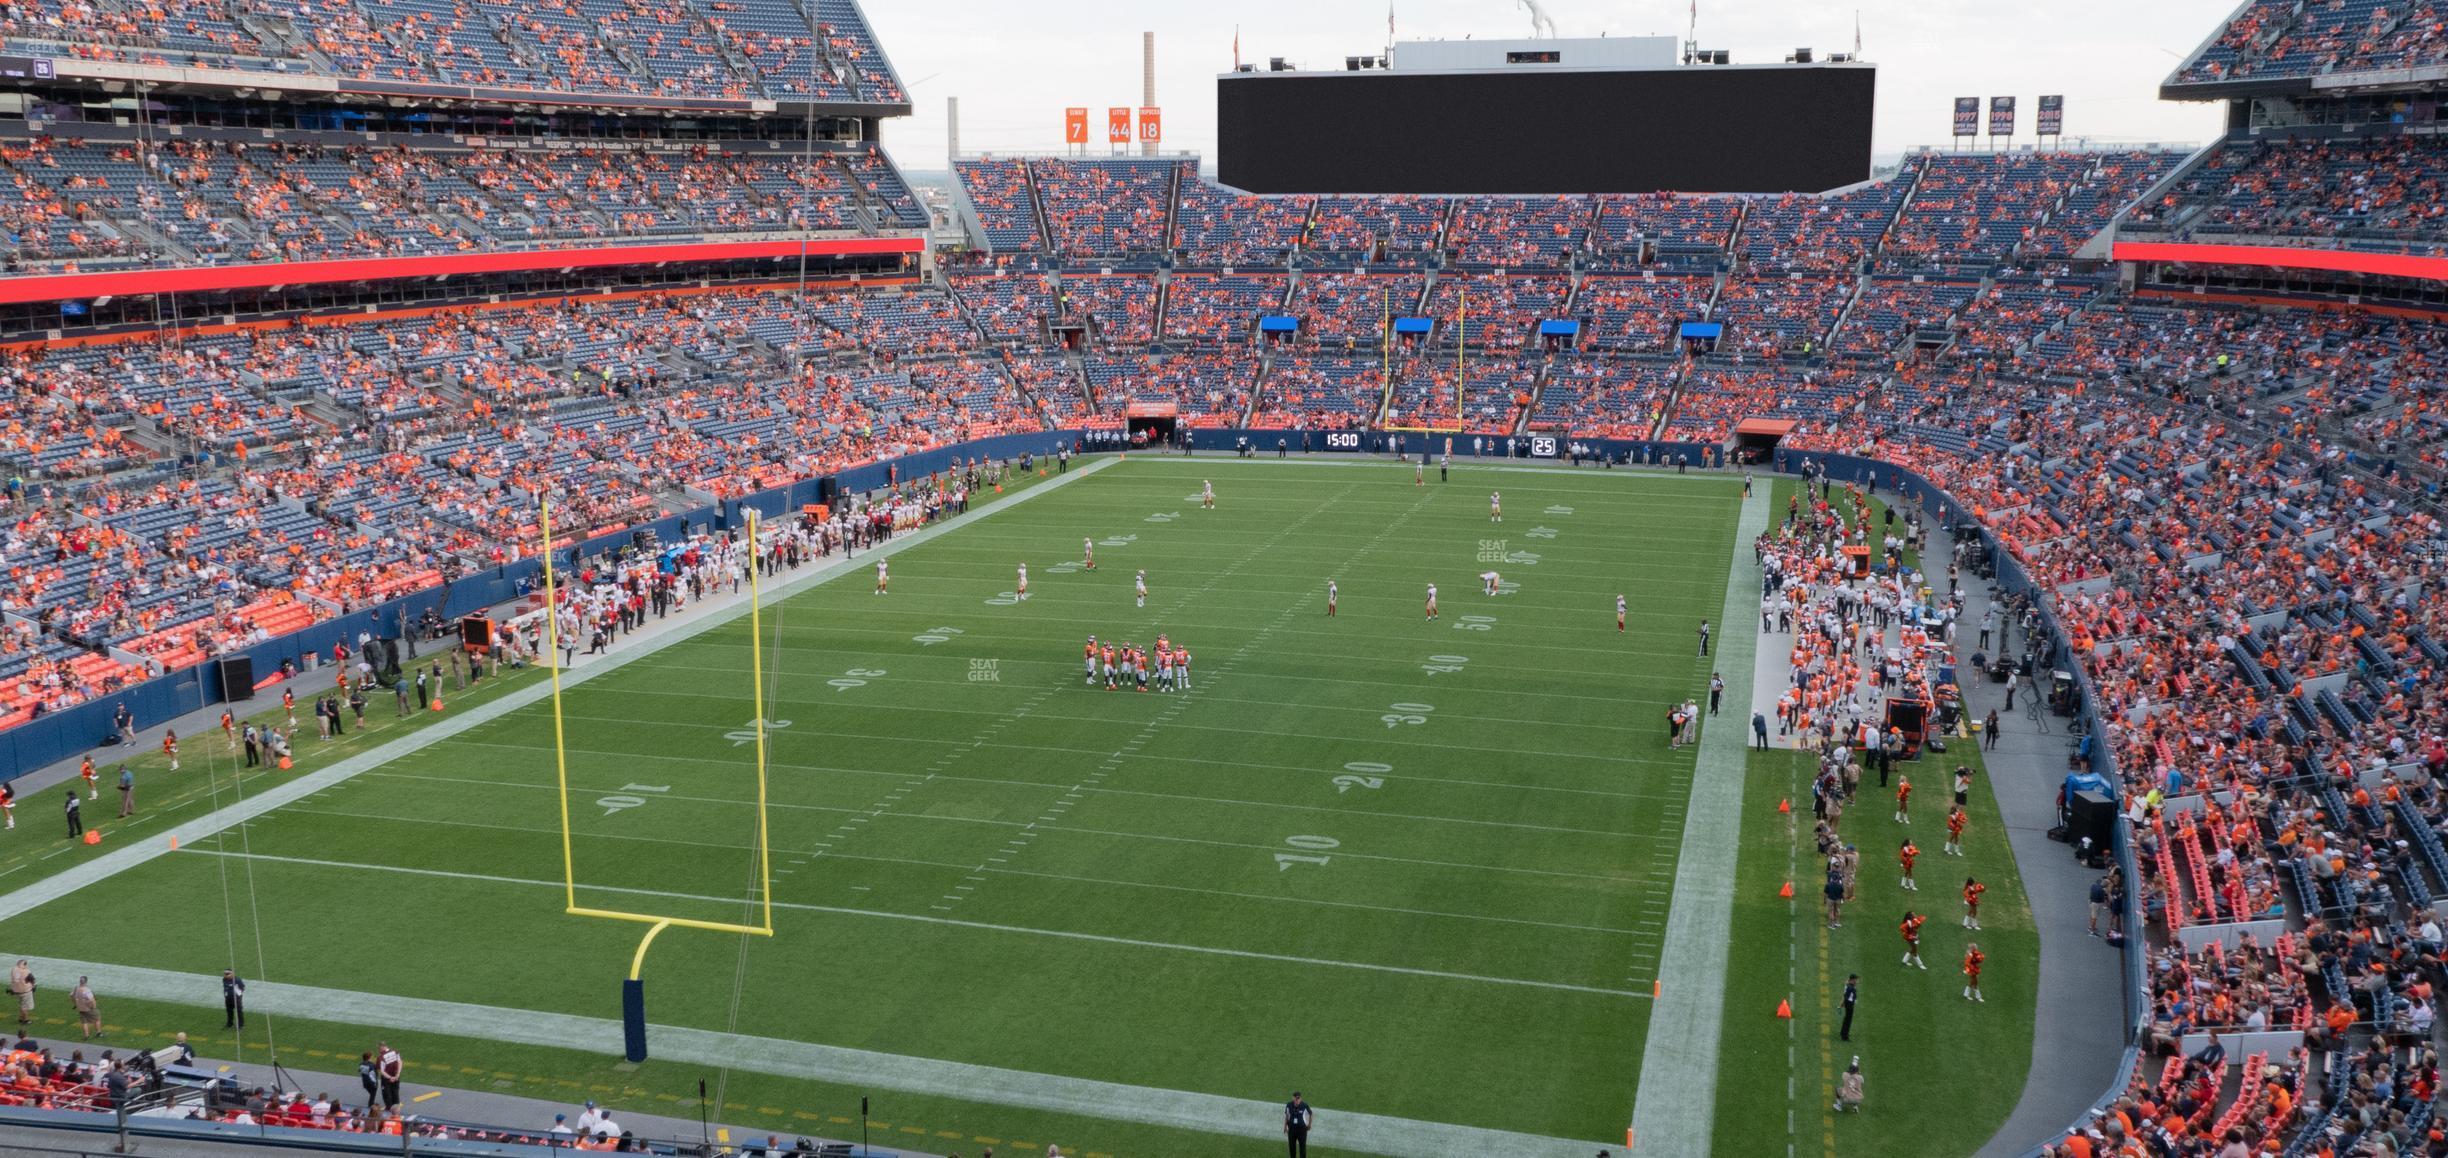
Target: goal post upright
633,993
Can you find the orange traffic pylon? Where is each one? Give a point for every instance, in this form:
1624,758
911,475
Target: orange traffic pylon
1785,1010
1784,807
1657,988
1787,891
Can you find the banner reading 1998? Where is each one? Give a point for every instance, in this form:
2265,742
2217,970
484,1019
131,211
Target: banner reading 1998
1967,116
2001,116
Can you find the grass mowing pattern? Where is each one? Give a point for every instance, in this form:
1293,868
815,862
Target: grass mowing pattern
1066,863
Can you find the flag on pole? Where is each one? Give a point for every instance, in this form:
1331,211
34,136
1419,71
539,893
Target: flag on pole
1856,32
1237,45
1390,22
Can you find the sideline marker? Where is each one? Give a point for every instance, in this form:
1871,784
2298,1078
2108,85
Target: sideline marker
1785,807
1787,891
1785,1010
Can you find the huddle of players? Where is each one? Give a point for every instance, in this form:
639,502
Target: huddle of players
1126,665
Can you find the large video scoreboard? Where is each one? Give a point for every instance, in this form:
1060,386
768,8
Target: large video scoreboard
1687,128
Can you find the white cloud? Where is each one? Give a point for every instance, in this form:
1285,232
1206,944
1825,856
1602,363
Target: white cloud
1016,64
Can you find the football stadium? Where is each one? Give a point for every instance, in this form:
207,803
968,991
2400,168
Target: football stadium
1414,634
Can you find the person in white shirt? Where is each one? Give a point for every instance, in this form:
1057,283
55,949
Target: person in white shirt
589,1118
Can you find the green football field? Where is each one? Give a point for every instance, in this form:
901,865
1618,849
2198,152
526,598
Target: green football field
1417,869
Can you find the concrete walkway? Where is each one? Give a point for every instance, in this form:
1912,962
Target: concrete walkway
2079,1033
1676,1106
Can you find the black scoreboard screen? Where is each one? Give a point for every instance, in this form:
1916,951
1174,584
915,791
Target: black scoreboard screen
1692,129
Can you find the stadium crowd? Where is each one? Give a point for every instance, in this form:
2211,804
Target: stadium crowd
2234,511
730,50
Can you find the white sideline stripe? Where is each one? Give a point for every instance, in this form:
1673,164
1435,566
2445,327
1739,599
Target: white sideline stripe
986,926
113,863
1675,1109
864,1069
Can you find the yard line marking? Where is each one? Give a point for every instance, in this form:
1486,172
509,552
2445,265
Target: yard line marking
1613,762
1360,905
1614,771
281,794
1675,1107
1174,1109
1388,815
1027,833
1021,930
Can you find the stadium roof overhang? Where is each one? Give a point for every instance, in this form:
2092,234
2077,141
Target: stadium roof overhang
120,77
2414,267
2376,80
77,286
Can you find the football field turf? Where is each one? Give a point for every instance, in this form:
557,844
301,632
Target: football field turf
1415,869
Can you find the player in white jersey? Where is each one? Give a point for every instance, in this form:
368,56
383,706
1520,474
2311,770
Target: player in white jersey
882,577
1207,493
1088,553
1331,592
1432,611
1419,474
1495,506
1619,614
1488,580
1140,585
1023,592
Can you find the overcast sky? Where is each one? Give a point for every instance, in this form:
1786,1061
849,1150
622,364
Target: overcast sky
1015,64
